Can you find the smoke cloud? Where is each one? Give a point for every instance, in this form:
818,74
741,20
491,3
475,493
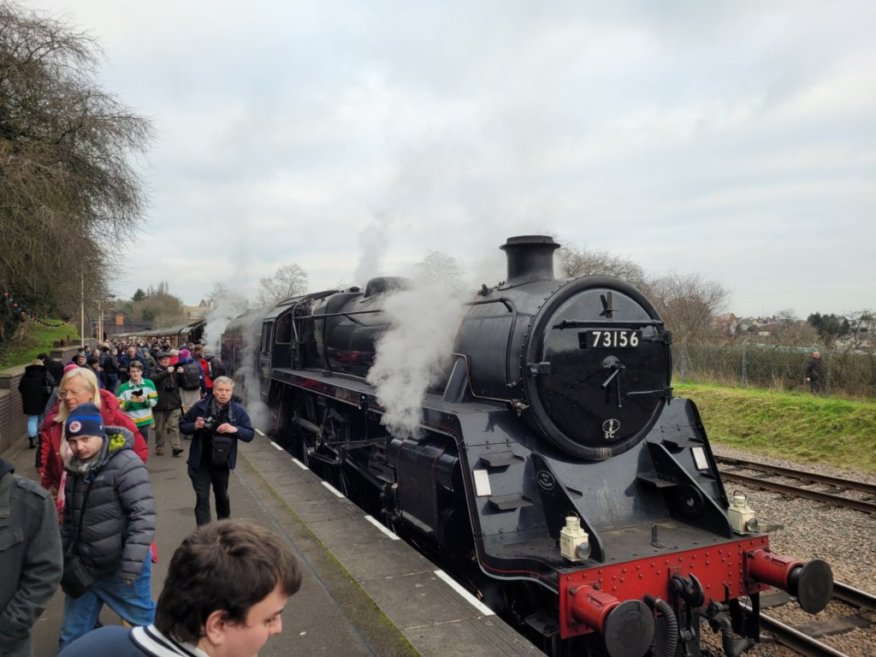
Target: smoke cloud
414,352
246,377
373,241
228,305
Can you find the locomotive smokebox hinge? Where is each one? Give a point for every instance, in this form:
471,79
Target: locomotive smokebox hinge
535,369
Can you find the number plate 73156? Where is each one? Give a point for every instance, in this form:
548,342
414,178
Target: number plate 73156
609,339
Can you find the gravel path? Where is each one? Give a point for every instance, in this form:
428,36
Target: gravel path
810,530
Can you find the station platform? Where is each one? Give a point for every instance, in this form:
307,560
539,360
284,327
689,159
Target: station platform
364,592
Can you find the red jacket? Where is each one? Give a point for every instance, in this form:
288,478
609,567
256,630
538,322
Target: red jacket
50,447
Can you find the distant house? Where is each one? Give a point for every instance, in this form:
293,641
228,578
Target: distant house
726,324
116,322
195,313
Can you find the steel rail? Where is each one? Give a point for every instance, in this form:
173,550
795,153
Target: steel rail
814,477
796,491
795,639
855,597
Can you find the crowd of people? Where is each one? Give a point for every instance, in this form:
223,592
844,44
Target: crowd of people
89,527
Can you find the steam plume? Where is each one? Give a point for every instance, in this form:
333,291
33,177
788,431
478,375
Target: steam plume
414,352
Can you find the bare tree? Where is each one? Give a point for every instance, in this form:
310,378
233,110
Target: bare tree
68,187
793,332
287,281
687,303
223,295
589,262
160,307
439,268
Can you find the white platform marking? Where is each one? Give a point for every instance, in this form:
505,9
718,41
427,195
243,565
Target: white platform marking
477,604
299,464
334,490
382,528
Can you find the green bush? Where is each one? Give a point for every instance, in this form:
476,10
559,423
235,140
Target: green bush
776,368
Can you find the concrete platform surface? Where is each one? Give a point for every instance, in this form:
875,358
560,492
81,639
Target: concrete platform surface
363,593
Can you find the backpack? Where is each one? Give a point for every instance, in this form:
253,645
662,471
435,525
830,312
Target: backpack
190,379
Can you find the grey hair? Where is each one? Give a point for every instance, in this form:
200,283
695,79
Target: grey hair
226,380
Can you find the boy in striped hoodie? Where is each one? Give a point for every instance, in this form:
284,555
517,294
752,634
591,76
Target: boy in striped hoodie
137,396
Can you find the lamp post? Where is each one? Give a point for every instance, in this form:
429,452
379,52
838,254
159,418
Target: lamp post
82,309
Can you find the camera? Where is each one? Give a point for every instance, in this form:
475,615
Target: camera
137,393
209,423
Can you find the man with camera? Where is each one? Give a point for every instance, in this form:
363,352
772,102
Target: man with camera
216,424
167,408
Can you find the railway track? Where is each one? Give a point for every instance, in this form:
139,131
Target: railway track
855,597
811,485
805,640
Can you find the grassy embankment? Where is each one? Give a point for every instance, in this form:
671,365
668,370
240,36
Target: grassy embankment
796,426
35,338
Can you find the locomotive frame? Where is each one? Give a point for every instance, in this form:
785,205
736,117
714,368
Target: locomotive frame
554,474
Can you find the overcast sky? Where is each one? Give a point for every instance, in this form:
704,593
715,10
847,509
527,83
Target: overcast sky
734,140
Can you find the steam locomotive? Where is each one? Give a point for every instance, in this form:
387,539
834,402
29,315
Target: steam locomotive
553,472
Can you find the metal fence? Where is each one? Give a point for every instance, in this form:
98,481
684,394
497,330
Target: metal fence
775,367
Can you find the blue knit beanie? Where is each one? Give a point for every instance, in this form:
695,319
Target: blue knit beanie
84,420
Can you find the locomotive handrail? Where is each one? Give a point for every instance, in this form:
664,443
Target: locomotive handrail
344,314
508,303
583,323
658,391
464,359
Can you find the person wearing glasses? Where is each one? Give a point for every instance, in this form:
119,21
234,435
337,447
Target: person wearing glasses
78,386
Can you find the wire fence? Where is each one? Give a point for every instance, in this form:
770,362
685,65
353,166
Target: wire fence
775,367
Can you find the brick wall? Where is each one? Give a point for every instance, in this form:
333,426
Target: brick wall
13,423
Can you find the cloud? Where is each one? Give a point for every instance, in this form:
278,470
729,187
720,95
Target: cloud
731,140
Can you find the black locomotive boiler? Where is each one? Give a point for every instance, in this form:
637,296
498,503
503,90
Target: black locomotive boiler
553,472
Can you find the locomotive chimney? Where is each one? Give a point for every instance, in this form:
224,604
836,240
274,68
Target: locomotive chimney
530,258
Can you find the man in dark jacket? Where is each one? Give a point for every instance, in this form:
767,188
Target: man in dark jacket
124,361
815,373
217,423
30,558
55,367
166,411
109,365
211,367
35,388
